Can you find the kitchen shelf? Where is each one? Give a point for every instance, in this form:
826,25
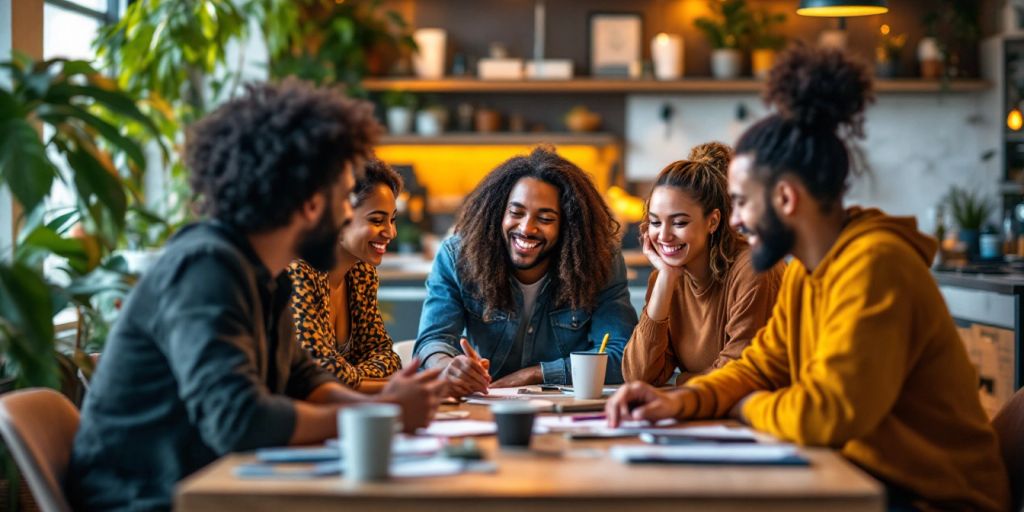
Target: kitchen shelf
504,138
625,86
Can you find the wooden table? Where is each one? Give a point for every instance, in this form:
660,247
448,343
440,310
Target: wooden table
584,479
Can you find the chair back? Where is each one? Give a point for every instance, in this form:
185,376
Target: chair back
1009,426
404,351
38,426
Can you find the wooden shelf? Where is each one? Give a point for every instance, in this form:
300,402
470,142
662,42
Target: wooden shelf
504,138
624,86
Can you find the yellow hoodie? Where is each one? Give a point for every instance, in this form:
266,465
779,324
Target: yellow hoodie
863,356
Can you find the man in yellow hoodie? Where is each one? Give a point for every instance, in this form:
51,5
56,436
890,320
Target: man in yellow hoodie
861,353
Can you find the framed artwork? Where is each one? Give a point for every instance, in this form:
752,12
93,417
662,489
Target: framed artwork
615,42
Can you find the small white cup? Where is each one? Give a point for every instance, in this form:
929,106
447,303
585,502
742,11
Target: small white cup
588,370
366,431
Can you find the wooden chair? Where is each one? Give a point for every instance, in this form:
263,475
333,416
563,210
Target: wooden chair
38,426
1009,426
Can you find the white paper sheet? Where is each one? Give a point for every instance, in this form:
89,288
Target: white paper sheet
459,428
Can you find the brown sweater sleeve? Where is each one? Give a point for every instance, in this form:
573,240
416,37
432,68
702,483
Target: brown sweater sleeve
751,298
649,356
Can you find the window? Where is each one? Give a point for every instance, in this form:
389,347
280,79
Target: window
69,29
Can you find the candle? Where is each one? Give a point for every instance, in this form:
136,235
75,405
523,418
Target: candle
667,54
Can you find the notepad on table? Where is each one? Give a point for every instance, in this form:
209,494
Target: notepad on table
712,454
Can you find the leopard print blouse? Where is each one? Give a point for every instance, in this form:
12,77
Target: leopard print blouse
368,351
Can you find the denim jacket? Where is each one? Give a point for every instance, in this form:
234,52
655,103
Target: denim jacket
451,311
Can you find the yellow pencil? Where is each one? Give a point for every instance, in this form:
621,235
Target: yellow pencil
604,343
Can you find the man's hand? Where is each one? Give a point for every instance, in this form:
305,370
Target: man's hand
524,377
418,394
642,401
736,412
467,374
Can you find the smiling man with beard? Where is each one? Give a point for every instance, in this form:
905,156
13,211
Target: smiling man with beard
533,273
860,353
203,360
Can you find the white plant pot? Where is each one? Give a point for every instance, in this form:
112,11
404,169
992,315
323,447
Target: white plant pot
431,122
726,63
928,49
399,120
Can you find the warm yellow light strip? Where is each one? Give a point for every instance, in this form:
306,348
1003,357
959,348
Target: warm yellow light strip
842,11
450,172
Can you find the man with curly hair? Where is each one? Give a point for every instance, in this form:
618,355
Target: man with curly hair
203,360
533,273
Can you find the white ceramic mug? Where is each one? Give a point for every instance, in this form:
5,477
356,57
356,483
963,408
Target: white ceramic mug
366,432
588,369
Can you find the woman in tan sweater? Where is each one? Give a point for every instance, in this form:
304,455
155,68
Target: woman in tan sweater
704,300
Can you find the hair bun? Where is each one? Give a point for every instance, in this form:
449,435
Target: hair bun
715,154
819,87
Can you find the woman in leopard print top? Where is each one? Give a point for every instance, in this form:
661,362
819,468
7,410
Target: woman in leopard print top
336,315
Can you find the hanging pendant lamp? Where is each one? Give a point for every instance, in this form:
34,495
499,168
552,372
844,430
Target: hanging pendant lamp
842,8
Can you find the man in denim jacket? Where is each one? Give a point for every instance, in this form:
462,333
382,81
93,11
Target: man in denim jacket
533,273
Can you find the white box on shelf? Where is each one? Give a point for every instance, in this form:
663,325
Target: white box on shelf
500,69
549,69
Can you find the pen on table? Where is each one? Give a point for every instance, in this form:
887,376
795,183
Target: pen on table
604,343
585,417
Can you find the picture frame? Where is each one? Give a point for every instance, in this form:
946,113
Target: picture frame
615,43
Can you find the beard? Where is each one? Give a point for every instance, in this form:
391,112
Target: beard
319,245
776,240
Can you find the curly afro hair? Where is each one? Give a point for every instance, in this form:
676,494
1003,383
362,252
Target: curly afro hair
588,240
819,96
257,158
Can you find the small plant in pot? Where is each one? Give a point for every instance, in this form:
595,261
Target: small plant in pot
765,40
970,210
400,108
432,118
887,53
727,30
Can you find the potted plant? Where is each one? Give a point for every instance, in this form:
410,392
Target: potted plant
970,210
765,41
87,116
328,41
432,118
887,53
399,109
727,31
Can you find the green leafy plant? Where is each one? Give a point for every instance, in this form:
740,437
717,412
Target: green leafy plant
729,26
764,26
173,56
69,103
970,209
396,98
327,41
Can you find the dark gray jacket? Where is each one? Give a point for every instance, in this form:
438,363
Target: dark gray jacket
202,362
